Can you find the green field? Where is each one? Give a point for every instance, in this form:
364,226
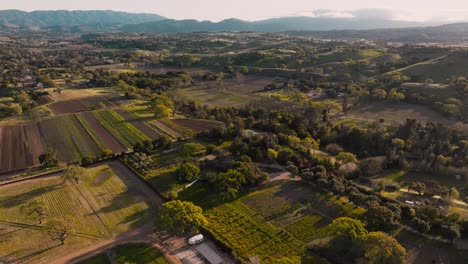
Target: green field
440,69
69,138
129,253
280,220
106,202
118,127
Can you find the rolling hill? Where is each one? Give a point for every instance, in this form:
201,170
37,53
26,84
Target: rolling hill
17,18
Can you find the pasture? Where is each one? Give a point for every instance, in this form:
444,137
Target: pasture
396,113
106,202
211,96
440,69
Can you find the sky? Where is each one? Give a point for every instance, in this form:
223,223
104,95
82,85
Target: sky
216,10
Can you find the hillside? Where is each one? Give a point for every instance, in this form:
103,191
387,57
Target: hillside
17,18
269,25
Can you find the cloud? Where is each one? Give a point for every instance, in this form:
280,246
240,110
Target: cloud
390,14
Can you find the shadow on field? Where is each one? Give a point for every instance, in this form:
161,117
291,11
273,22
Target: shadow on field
39,252
137,219
22,198
120,201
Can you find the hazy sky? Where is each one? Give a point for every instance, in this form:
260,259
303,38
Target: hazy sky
215,10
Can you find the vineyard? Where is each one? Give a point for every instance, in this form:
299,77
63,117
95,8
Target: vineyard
93,212
277,221
248,238
119,128
139,124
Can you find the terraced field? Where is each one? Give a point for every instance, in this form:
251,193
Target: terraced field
93,211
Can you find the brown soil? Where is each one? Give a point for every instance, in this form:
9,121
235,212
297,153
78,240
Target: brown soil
79,105
196,125
112,143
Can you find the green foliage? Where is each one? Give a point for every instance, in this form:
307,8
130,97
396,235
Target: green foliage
49,158
35,207
139,254
179,217
161,105
188,171
73,173
348,228
192,149
346,157
380,248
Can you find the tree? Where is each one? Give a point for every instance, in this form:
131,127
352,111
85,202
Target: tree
49,158
73,173
379,217
370,167
454,194
58,230
178,217
381,248
346,157
35,207
188,171
451,232
348,228
420,187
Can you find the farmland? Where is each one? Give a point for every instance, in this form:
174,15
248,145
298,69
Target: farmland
196,125
80,105
119,128
277,221
95,209
69,138
138,123
211,96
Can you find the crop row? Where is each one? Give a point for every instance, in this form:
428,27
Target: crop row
69,138
270,204
118,127
308,228
247,238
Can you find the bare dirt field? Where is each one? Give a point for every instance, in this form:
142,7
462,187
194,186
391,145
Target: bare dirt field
112,143
80,105
69,94
196,125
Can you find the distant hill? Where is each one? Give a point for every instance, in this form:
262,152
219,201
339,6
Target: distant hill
449,33
269,25
17,18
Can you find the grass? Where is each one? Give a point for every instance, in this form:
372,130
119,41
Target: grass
185,131
423,250
162,179
440,69
118,127
211,96
138,254
92,212
69,138
129,253
404,178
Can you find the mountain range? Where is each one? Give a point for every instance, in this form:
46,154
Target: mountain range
383,29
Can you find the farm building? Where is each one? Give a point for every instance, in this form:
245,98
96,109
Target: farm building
209,253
